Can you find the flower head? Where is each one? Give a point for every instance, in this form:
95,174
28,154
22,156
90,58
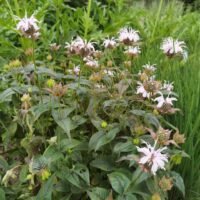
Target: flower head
76,70
173,47
133,51
80,47
141,90
149,68
108,72
110,43
162,101
153,158
167,86
28,26
128,36
90,62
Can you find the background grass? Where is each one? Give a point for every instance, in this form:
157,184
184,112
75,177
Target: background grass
61,21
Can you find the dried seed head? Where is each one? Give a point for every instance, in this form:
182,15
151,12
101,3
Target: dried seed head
166,184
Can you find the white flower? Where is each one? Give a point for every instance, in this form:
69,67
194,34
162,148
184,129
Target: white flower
80,47
167,86
110,43
153,158
141,90
108,72
171,47
164,101
76,70
128,36
133,51
29,27
90,62
99,86
149,67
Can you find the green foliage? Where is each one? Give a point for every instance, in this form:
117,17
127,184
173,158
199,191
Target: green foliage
81,143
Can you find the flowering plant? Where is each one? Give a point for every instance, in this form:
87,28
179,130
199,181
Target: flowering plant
93,128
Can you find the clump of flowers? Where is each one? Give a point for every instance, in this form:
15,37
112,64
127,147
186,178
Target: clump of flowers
91,116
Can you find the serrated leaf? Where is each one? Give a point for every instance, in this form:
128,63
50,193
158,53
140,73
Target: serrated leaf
98,193
6,95
100,138
2,194
62,119
119,181
3,164
46,190
178,182
124,147
103,163
151,119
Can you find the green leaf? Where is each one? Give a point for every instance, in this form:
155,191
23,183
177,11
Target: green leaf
178,182
98,193
124,147
127,197
46,190
103,163
100,138
119,181
62,119
138,112
2,194
151,119
39,109
52,153
3,164
6,95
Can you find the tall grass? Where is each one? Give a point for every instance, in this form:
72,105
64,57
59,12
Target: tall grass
160,20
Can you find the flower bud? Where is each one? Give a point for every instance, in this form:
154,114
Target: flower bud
104,124
136,141
50,83
156,196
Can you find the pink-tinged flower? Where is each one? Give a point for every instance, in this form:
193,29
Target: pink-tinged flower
128,36
110,43
133,51
153,158
80,47
141,90
162,101
28,26
149,68
90,62
76,70
167,86
108,72
173,47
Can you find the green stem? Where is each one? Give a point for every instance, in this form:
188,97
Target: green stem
157,18
88,16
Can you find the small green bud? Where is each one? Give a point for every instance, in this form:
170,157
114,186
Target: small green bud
104,124
50,83
176,159
136,141
45,173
